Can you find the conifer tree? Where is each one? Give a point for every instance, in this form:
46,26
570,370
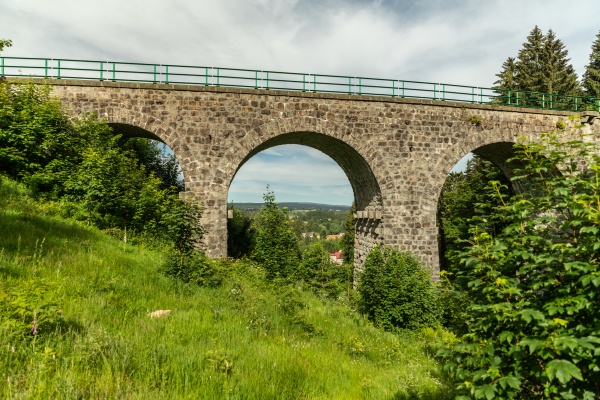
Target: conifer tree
507,81
541,66
557,74
529,62
591,77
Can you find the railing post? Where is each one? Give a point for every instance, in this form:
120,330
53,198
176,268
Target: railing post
551,102
205,76
267,80
517,98
58,76
543,100
443,92
2,65
508,98
218,76
255,79
434,91
480,95
472,95
154,76
359,85
101,71
315,83
304,82
576,98
113,72
166,74
349,85
45,67
402,88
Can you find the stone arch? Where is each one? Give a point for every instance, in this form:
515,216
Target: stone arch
130,123
337,143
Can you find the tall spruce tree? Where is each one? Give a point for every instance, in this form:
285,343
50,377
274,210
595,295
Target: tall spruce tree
591,77
541,66
557,74
530,63
507,81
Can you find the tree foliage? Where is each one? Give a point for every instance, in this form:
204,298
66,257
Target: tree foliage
591,76
397,292
457,205
534,322
276,246
349,235
542,66
320,274
5,43
93,173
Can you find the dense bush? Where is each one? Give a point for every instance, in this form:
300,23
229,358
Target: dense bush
534,324
95,175
321,275
193,267
397,292
276,246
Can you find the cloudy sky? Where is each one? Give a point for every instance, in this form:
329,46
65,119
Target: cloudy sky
447,41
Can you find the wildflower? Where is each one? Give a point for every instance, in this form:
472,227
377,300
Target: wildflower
34,326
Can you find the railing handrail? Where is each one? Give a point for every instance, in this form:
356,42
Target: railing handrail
122,71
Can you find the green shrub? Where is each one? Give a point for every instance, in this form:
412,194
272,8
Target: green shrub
29,308
534,324
397,292
193,267
276,246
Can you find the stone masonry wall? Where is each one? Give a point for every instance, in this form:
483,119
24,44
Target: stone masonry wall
396,152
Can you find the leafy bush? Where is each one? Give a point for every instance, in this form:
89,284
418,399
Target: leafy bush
534,325
29,308
193,267
276,246
397,292
320,274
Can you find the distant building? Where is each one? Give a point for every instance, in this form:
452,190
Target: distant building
310,235
338,236
337,258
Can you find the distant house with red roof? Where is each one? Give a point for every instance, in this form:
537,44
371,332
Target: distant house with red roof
337,257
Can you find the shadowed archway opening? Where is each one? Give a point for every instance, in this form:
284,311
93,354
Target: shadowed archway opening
466,194
153,153
365,188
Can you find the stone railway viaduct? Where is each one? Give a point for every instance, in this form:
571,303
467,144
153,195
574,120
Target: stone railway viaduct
396,152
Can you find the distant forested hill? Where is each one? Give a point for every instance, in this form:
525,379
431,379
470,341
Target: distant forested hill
292,206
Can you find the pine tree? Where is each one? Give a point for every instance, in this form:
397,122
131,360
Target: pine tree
507,82
591,77
529,62
542,66
557,74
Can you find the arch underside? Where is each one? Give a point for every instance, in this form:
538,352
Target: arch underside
132,131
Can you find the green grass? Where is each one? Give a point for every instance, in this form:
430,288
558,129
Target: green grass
244,340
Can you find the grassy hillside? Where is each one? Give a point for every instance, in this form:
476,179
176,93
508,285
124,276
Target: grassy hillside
91,295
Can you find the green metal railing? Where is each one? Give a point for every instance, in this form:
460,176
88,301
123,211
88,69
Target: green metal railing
292,81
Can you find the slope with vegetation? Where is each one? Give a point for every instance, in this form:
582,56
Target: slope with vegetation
75,324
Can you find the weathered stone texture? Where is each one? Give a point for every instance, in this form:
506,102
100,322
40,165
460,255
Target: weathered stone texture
396,152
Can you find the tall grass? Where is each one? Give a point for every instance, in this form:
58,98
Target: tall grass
247,339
